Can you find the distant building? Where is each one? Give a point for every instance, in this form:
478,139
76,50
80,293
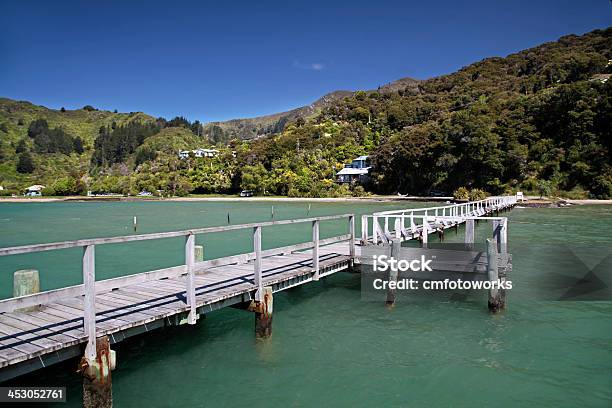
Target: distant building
35,190
356,172
183,154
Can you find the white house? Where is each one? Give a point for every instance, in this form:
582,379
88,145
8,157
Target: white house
356,172
35,190
183,154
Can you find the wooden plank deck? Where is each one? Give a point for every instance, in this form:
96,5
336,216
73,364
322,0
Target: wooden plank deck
31,336
74,316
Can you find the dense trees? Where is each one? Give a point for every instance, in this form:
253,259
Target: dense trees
115,143
25,164
54,140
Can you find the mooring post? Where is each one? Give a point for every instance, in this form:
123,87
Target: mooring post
315,249
97,384
396,246
26,282
263,314
190,292
199,253
495,297
469,233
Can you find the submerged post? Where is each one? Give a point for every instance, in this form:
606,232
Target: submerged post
496,297
26,282
469,233
396,245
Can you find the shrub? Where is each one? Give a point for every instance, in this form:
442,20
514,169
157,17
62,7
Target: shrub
477,194
461,193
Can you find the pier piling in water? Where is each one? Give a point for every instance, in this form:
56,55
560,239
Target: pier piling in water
496,295
97,384
26,282
396,245
263,314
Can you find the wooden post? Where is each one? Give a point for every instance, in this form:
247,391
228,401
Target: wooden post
97,381
89,312
425,231
26,282
396,245
199,253
352,239
257,263
495,296
375,227
315,249
364,229
500,233
469,233
190,292
263,314
398,229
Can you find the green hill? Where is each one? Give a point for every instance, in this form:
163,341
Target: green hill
539,120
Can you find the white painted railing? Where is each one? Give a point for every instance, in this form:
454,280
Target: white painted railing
419,222
91,287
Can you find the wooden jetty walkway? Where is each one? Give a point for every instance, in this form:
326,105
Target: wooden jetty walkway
38,329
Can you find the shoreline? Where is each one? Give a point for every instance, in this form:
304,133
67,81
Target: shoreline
529,202
212,199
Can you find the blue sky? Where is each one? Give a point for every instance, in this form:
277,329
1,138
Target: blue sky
222,60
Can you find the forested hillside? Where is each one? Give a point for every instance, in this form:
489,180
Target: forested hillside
538,120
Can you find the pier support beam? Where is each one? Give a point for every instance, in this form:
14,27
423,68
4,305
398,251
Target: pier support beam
396,245
97,384
26,282
469,234
263,314
497,295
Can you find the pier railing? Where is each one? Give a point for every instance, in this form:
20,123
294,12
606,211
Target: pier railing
90,287
404,223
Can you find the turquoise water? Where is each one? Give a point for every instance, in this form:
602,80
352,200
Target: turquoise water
329,348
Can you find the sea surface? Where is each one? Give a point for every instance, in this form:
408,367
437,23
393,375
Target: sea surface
330,348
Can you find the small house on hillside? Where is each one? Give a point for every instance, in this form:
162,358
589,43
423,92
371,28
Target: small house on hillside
355,172
199,153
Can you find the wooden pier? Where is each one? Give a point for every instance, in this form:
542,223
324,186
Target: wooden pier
40,329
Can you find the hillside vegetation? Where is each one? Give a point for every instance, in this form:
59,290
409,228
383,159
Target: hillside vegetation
538,120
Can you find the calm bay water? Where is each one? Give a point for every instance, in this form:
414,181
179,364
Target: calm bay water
329,348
